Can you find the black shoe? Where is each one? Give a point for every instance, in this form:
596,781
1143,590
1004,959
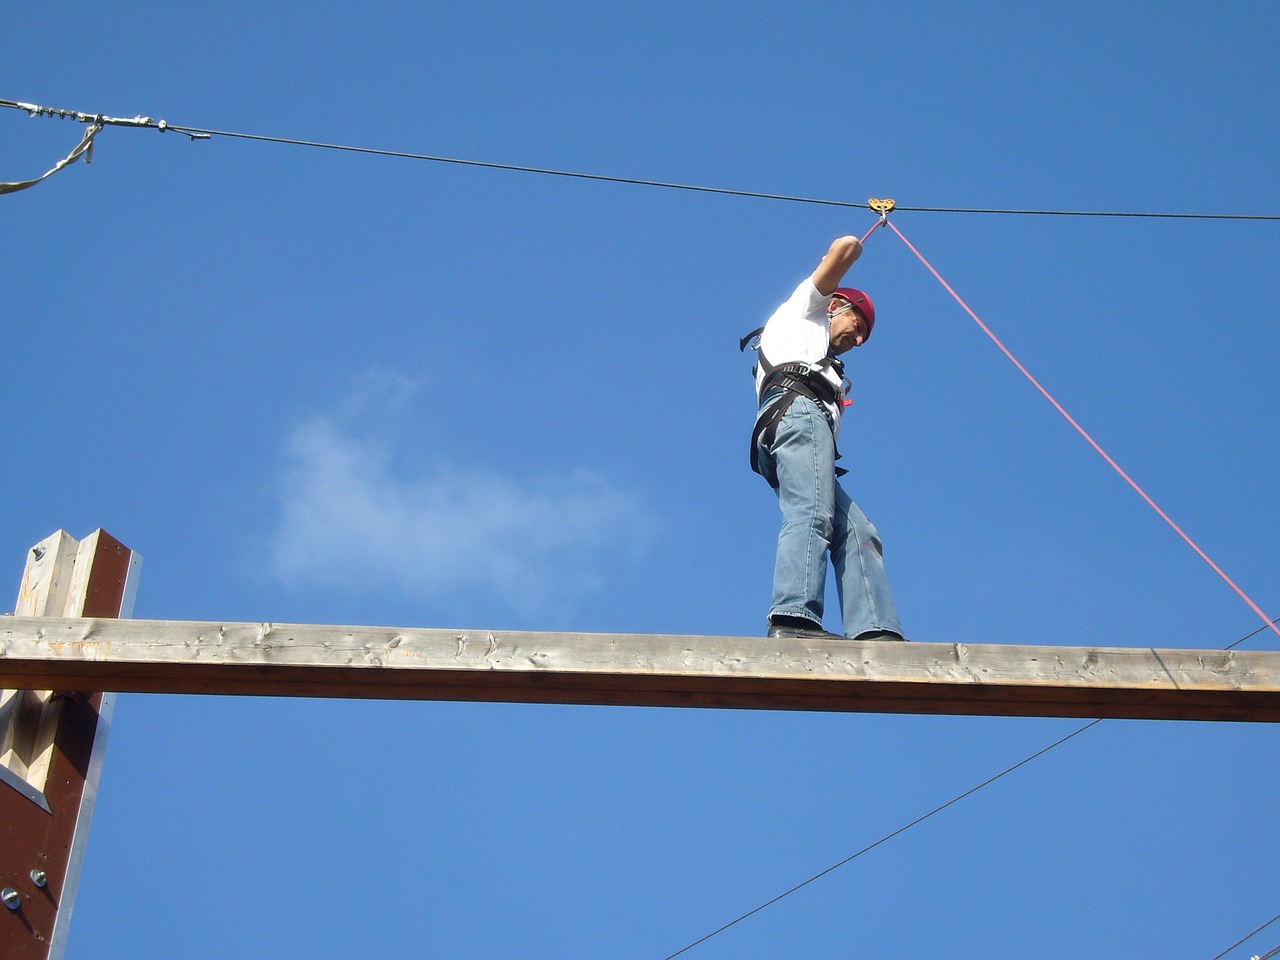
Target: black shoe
881,635
802,633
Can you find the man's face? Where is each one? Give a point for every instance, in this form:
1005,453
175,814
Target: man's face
848,326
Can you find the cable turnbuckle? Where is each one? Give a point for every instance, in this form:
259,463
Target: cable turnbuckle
881,207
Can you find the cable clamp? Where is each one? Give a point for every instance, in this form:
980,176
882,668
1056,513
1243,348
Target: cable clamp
881,207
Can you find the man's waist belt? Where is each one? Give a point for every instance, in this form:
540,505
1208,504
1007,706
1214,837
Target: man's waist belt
799,378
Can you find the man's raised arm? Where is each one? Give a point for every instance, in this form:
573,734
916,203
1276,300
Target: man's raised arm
844,250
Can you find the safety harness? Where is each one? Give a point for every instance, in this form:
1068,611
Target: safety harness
790,380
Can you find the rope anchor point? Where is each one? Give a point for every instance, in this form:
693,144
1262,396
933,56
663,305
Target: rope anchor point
882,207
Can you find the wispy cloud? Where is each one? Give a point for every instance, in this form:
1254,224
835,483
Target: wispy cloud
352,518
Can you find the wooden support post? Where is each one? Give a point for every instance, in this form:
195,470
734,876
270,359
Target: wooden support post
51,748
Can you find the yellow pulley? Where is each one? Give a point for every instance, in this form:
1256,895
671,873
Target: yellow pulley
881,207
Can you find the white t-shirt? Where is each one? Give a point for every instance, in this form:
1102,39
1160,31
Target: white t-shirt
800,332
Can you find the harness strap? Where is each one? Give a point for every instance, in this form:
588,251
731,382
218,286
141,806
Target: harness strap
795,380
813,383
766,427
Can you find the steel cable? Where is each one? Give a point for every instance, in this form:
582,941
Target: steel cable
206,133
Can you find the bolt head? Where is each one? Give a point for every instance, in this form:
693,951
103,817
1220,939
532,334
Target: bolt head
12,899
39,877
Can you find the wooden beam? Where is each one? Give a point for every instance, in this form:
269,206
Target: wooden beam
299,660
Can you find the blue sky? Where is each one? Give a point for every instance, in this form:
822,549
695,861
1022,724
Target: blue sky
324,387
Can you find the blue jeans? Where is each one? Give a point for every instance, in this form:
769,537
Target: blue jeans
819,520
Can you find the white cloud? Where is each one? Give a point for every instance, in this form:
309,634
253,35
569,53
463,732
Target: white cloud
352,520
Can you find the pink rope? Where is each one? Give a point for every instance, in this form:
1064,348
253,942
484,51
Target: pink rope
1079,429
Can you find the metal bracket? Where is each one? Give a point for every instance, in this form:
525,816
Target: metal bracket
881,207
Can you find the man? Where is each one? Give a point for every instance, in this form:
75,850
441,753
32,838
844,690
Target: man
801,387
